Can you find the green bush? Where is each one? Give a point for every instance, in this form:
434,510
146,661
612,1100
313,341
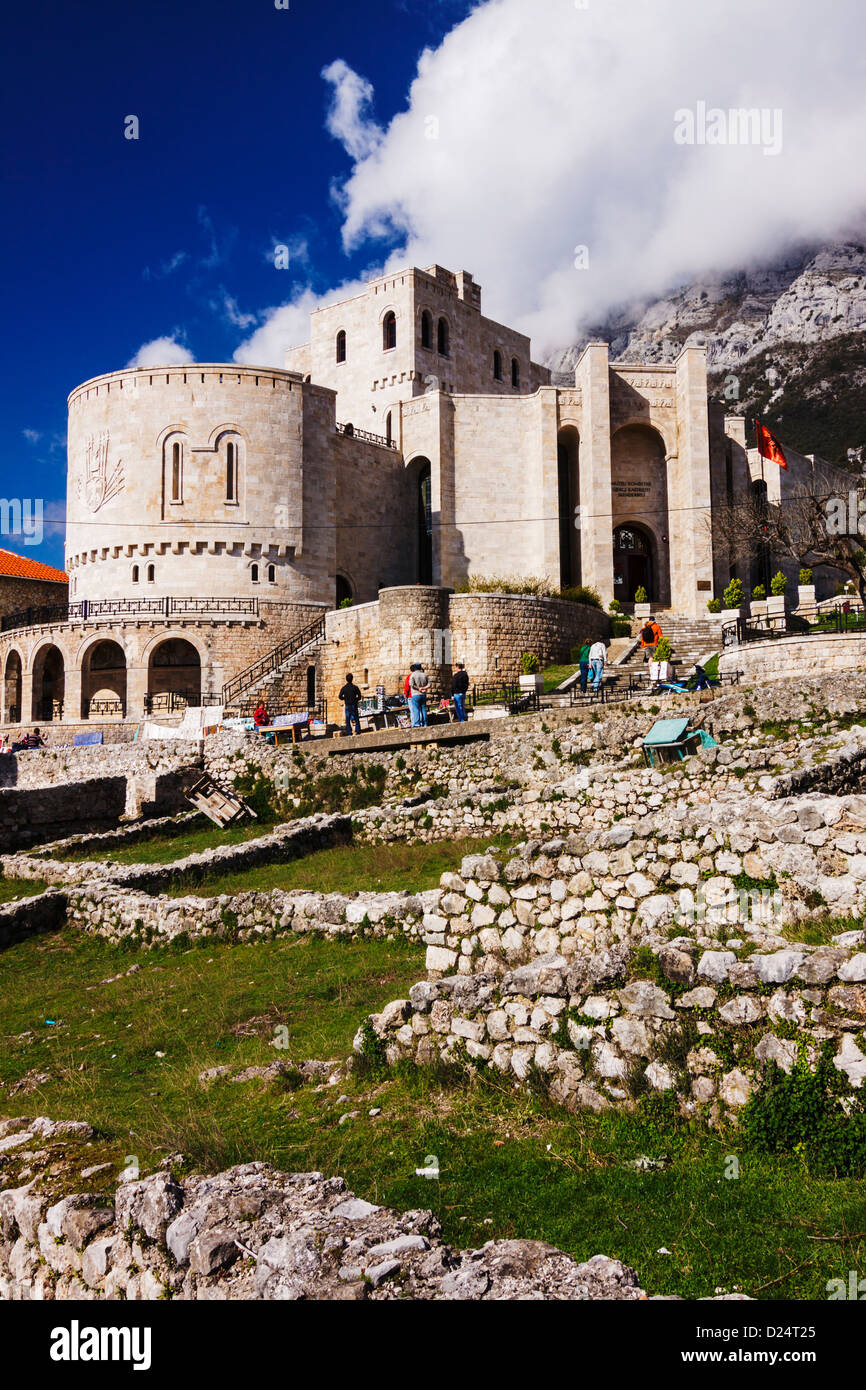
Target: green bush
806,575
734,595
531,586
641,595
714,605
664,650
529,663
778,584
578,593
621,628
347,602
759,592
813,1115
615,606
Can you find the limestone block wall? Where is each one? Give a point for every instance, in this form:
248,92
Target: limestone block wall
489,632
793,658
17,595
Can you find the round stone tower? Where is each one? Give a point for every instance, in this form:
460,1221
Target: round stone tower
200,480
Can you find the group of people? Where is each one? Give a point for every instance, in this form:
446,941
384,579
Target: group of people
592,659
416,690
31,740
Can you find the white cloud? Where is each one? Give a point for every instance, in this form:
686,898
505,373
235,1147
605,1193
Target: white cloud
556,129
288,325
348,118
32,436
161,352
234,314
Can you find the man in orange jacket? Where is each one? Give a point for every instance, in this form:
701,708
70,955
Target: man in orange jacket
650,636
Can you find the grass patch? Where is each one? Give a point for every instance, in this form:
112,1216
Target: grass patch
555,675
511,1164
164,849
401,865
12,890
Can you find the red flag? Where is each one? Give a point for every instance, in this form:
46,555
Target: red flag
769,446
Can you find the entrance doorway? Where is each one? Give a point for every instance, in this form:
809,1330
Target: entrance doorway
632,564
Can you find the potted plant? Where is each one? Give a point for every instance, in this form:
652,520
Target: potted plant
758,605
806,589
642,605
714,605
660,666
777,602
531,677
733,599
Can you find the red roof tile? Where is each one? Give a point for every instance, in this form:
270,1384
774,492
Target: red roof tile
14,566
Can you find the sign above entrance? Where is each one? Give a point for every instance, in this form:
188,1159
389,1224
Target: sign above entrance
632,489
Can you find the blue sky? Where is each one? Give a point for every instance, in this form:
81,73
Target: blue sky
108,243
497,136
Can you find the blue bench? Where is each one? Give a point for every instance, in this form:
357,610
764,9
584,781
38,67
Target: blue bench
86,740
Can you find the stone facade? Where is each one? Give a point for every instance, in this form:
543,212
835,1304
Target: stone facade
215,509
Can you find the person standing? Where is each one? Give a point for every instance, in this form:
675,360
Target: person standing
419,685
597,658
459,687
351,697
583,662
650,636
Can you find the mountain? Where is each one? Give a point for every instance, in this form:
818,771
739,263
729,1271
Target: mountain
785,341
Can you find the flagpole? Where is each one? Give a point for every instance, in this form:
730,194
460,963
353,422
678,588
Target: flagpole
764,549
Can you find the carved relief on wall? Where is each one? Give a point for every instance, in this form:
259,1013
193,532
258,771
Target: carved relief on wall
102,480
642,381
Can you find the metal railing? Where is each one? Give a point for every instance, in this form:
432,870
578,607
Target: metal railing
104,707
241,683
167,607
352,432
172,701
804,622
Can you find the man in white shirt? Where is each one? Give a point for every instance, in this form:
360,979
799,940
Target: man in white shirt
597,657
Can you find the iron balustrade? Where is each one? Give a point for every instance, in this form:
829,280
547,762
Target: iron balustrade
814,621
352,432
318,709
271,661
97,707
167,607
170,701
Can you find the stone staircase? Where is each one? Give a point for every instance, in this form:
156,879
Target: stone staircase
275,666
690,638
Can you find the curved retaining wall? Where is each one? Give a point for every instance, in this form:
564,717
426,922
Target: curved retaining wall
787,658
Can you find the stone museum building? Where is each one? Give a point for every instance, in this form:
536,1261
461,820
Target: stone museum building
216,513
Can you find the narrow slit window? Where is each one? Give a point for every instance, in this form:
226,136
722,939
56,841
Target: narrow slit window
341,345
135,574
443,338
254,573
151,573
272,574
497,366
389,331
515,372
176,471
231,471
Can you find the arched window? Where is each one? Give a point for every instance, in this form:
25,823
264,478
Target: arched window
177,471
515,372
272,574
254,573
427,329
388,427
232,470
389,331
135,574
341,345
151,573
497,365
443,338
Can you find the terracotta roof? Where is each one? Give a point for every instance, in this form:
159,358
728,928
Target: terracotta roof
14,566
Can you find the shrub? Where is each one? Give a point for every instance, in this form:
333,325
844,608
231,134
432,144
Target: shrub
621,628
778,584
641,595
734,594
810,1114
530,585
714,605
806,575
615,606
759,592
664,650
529,663
578,593
346,602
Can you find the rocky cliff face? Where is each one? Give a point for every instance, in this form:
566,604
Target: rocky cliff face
784,340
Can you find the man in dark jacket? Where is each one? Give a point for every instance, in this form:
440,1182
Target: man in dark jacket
459,687
351,697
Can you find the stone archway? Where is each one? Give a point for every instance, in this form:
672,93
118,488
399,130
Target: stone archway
173,675
49,685
639,505
12,688
103,681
